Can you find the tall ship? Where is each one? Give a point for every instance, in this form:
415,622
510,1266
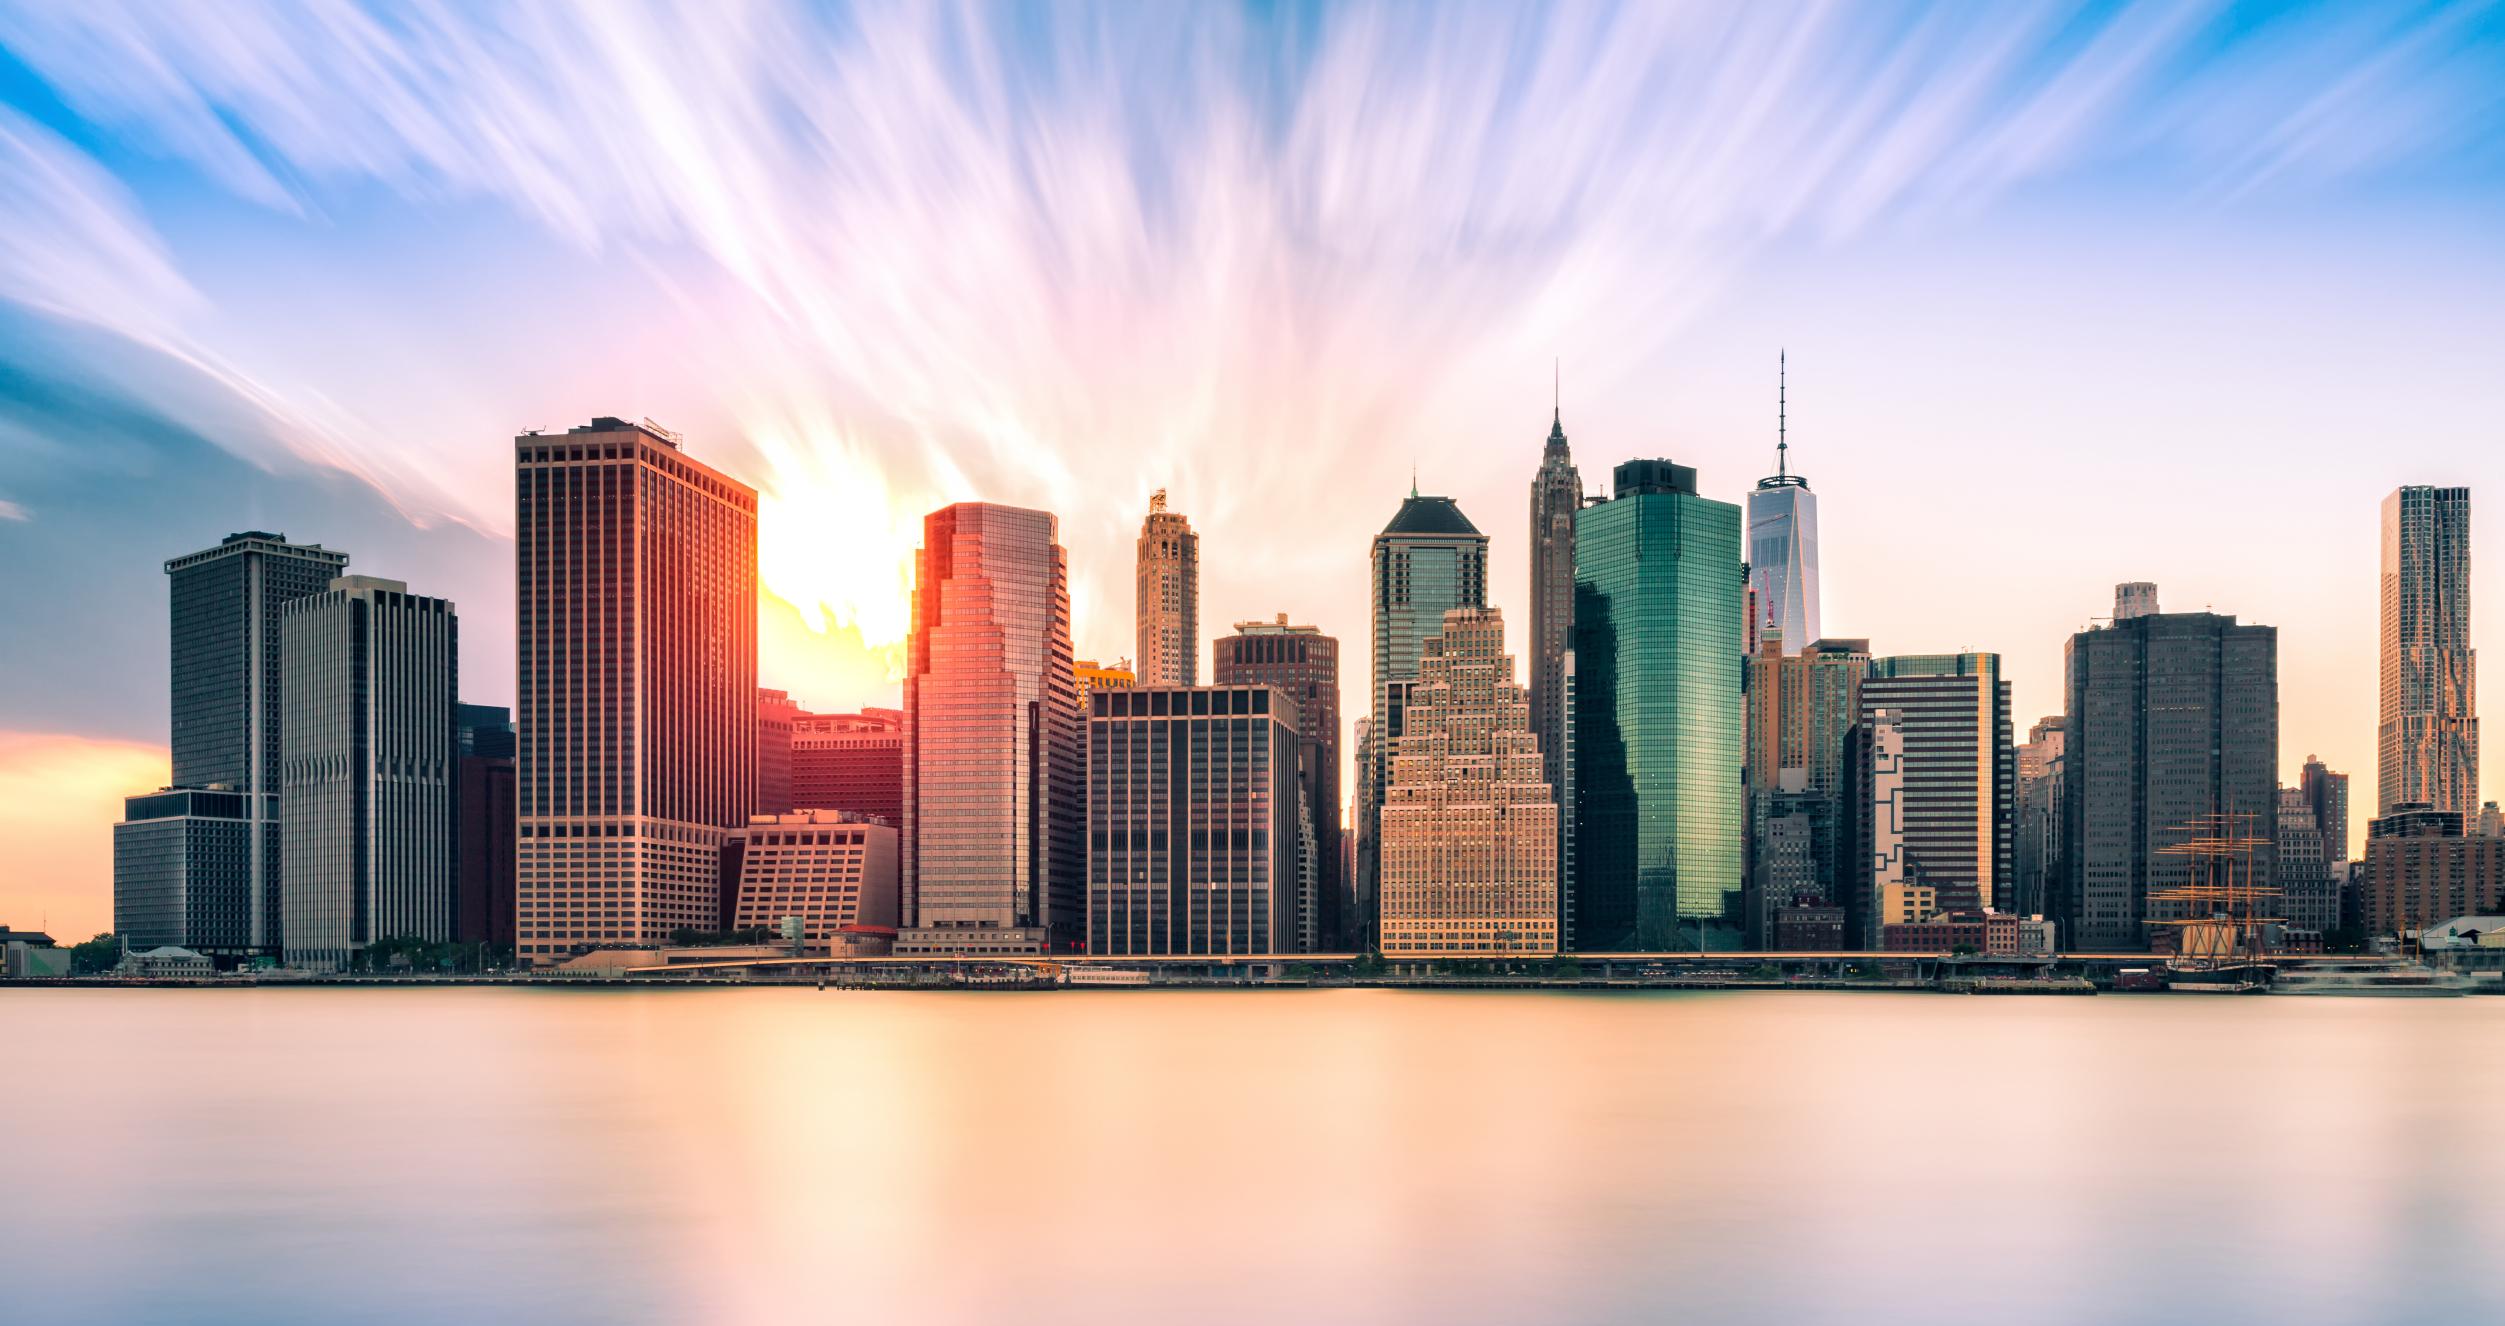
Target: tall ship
2220,911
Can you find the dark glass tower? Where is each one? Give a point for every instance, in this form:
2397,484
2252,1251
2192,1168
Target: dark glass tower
1657,616
2173,715
226,604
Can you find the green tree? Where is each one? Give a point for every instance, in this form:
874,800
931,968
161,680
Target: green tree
99,954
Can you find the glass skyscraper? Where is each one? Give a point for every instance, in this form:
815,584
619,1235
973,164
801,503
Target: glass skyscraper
994,792
1658,608
226,603
1783,549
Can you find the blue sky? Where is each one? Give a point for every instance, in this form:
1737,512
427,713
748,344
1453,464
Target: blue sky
2072,295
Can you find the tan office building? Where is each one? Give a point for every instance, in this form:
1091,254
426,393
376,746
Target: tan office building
1469,847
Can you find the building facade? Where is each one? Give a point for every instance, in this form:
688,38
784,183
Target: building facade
1195,814
2308,895
1469,820
1168,598
834,870
995,796
1659,817
2172,716
1303,663
485,810
227,679
183,864
853,762
369,761
2421,868
2427,730
637,578
1960,772
1429,560
2037,853
1093,676
776,715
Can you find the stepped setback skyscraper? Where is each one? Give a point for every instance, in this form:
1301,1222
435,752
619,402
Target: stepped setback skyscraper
368,776
1428,561
638,653
993,780
1469,822
1169,598
2427,734
1657,728
1783,544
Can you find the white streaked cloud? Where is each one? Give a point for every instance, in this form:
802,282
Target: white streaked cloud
1064,255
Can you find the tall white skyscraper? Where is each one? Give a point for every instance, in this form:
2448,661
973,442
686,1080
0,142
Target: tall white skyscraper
1783,544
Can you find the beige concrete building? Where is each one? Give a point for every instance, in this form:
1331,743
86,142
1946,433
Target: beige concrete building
832,869
1469,847
1169,598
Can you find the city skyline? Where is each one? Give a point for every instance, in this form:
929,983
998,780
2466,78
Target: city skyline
2145,296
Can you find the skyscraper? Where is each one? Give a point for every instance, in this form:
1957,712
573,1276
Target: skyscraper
2038,850
1959,767
637,569
1556,494
227,675
1783,544
2172,716
1169,598
1469,821
182,871
1194,822
1303,663
1799,708
1657,625
2326,794
367,774
1429,560
2309,895
2427,737
995,796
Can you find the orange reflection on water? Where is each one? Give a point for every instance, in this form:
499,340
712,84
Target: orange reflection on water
770,1156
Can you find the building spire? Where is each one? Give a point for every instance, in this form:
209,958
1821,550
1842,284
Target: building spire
1413,478
1556,413
1782,443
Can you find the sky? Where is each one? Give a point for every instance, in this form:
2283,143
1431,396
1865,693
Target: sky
2070,295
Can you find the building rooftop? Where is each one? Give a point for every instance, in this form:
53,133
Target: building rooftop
1430,515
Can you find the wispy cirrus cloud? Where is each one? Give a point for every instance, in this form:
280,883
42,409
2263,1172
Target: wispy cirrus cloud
1061,255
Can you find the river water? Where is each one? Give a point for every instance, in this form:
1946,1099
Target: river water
772,1156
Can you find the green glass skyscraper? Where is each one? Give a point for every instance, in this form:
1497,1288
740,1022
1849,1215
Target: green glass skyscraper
1658,608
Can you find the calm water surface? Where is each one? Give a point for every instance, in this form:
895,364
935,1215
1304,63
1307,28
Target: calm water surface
768,1156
